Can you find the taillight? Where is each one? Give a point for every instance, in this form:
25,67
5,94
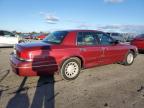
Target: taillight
23,56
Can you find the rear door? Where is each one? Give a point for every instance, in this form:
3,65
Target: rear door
111,52
87,43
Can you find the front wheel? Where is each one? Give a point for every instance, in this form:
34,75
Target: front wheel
129,59
70,69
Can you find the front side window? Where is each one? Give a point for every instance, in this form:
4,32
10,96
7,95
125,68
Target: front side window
55,37
104,39
86,38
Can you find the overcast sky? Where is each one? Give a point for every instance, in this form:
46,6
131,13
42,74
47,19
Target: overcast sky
48,15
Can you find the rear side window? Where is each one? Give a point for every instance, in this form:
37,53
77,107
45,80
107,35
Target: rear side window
86,38
55,37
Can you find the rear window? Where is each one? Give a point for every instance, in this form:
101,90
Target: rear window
55,37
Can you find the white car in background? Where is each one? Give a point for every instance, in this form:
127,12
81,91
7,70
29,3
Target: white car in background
117,36
8,39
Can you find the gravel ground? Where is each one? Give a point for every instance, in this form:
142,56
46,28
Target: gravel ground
110,86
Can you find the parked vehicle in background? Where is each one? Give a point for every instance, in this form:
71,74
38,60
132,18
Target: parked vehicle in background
117,36
67,52
23,35
28,36
138,41
8,39
129,38
39,36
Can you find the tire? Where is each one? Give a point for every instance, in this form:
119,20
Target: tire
70,68
129,59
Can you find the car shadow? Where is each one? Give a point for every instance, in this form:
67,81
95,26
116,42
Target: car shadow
45,66
4,76
20,100
44,94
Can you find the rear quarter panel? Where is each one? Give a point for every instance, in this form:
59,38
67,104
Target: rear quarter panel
65,52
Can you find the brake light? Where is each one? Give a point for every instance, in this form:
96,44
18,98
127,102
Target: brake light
23,56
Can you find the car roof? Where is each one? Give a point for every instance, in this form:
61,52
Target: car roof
79,30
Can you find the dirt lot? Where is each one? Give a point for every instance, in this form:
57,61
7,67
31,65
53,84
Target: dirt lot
110,86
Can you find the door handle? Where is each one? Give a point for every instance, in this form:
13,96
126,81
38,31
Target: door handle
106,48
103,50
83,49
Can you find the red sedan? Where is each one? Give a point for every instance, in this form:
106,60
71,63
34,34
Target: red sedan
28,37
139,42
67,52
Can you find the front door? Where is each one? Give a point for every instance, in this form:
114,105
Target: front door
87,43
111,52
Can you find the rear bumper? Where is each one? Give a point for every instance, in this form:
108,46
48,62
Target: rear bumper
25,68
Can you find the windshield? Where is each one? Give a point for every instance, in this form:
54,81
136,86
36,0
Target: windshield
55,37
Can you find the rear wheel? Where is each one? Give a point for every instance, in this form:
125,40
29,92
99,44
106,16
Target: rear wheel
70,69
129,59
